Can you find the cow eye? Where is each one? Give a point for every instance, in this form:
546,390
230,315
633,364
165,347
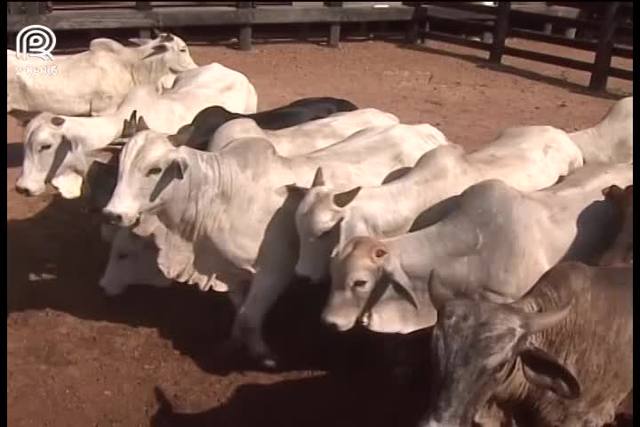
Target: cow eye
45,147
154,171
122,256
183,49
359,284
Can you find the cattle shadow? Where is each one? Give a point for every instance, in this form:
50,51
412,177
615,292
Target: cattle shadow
597,227
56,258
520,72
15,154
326,400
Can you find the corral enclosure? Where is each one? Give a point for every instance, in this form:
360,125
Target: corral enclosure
78,358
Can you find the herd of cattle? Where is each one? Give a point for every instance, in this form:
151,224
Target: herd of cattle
517,255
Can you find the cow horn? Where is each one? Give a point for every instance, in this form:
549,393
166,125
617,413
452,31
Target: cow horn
128,126
438,293
536,322
142,125
318,179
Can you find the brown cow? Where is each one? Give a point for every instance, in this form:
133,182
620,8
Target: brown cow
562,355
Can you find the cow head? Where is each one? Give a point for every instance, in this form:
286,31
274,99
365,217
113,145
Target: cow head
318,219
621,251
49,156
149,166
369,286
168,49
479,349
132,260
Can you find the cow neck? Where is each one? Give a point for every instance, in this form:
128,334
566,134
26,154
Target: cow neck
586,140
409,196
204,191
146,71
92,132
435,246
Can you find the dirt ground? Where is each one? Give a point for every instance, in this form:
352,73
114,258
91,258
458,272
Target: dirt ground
152,356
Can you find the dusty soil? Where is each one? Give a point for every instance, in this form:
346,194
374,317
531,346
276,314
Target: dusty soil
152,356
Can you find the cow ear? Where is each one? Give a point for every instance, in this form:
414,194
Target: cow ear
104,154
343,199
399,280
67,145
179,166
57,121
296,190
157,50
24,117
545,371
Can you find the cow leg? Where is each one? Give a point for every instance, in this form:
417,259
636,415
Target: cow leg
265,289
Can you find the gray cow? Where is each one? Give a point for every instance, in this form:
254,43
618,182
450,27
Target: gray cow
562,355
496,239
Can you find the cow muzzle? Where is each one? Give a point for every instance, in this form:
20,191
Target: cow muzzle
121,219
24,190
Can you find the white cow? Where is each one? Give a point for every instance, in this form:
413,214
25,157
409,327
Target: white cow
227,218
96,81
129,259
307,136
56,146
527,158
496,239
611,140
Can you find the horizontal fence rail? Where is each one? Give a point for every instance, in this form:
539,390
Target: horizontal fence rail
496,23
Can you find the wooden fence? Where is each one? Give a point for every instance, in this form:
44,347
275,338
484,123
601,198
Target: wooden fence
497,22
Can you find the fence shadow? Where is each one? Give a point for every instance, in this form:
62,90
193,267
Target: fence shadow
509,69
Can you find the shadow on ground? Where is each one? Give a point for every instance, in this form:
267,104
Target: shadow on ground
57,256
508,69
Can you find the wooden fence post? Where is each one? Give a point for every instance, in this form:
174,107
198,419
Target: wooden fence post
34,8
245,30
500,31
15,8
413,28
144,33
334,27
602,61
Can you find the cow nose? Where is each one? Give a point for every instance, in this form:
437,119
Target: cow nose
112,217
332,325
23,190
